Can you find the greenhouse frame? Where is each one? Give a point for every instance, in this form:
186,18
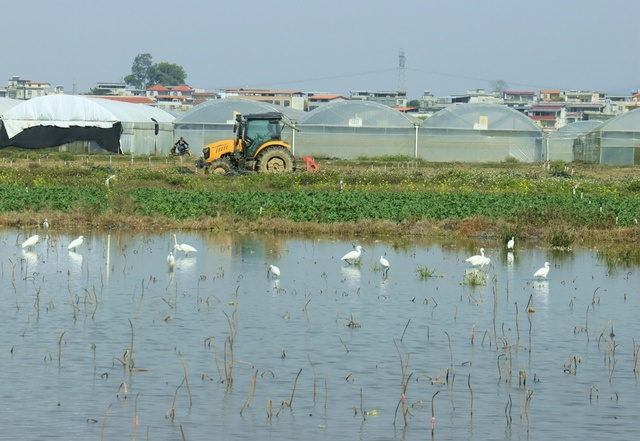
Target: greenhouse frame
615,141
352,129
561,143
480,132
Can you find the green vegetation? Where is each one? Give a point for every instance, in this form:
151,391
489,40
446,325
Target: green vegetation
388,195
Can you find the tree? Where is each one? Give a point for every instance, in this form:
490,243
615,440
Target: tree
499,86
141,71
145,73
167,74
414,103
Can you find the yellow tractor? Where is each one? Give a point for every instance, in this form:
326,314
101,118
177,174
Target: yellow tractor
258,146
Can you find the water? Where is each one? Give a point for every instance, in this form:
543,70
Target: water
68,320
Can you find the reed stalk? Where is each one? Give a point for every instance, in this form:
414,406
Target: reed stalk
471,392
251,392
507,411
186,378
405,329
62,337
364,417
295,382
104,422
433,413
130,359
450,350
314,377
269,409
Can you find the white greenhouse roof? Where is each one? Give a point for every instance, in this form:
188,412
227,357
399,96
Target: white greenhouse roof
7,103
356,114
481,116
76,111
222,111
627,122
575,129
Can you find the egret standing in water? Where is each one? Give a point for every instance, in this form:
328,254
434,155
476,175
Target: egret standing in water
273,270
183,247
171,261
542,272
352,256
30,243
75,243
511,243
479,260
45,224
384,263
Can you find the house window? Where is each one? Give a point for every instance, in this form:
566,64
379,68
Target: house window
287,103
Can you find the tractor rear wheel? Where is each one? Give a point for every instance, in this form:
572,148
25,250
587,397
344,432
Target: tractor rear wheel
219,167
275,160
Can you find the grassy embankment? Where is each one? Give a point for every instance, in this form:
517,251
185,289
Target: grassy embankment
386,196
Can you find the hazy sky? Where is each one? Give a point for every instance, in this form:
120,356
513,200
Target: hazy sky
330,45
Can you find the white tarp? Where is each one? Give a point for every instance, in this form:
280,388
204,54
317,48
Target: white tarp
59,111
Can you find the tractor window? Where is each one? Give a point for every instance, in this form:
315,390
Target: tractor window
258,132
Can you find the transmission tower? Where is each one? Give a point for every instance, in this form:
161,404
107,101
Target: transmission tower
401,77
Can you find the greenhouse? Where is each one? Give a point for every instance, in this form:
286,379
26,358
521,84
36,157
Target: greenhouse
213,120
479,132
6,104
351,129
560,143
615,142
76,123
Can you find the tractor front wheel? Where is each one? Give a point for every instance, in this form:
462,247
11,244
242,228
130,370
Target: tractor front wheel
219,167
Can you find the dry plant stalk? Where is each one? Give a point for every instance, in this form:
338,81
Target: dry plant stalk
269,409
130,360
186,378
471,392
251,393
104,422
450,349
433,412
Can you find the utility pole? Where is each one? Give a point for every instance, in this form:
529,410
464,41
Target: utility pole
401,76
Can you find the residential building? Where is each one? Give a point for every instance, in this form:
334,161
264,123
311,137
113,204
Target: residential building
20,89
389,98
294,99
315,100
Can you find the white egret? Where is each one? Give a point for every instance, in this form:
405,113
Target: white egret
45,224
479,260
511,243
384,263
76,243
29,243
183,247
352,256
274,270
542,272
171,261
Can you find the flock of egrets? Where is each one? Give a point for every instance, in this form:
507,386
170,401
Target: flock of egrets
32,241
351,257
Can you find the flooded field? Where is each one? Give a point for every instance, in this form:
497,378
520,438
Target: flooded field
107,342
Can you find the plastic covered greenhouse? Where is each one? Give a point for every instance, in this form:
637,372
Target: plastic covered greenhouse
350,129
615,142
480,132
560,143
213,120
7,103
77,123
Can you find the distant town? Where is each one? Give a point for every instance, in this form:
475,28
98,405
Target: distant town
549,109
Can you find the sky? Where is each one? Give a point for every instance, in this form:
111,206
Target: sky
333,46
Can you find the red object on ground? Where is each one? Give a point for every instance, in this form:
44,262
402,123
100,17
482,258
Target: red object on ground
310,164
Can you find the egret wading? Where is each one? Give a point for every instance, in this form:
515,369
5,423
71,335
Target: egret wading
384,263
511,243
45,224
354,255
542,272
479,260
171,261
183,247
30,242
75,243
274,271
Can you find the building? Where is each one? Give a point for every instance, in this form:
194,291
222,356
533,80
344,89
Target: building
315,100
388,98
173,98
20,89
294,99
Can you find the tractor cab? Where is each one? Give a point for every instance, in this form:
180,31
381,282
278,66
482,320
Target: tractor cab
252,131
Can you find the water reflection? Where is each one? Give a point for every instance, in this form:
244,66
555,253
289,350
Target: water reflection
325,320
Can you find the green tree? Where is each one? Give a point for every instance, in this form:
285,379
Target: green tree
414,103
141,71
167,74
145,73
